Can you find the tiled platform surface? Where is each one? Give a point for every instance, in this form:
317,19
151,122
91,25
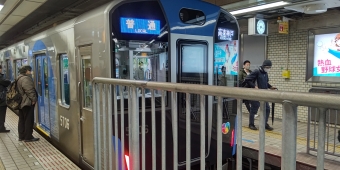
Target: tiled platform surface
273,142
34,155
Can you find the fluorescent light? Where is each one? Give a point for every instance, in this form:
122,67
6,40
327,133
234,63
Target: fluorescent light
1,6
257,8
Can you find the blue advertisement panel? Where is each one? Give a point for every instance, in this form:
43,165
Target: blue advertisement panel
226,55
327,55
140,26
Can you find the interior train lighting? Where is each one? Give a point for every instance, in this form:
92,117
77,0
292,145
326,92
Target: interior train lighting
258,8
1,6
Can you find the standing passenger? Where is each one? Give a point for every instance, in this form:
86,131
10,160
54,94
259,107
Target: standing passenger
4,83
243,74
29,98
261,76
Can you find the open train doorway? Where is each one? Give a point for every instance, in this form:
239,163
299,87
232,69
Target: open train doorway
42,87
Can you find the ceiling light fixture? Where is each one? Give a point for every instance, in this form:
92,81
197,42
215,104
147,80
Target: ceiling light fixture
258,8
1,6
315,8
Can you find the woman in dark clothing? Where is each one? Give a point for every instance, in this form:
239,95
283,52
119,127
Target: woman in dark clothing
3,107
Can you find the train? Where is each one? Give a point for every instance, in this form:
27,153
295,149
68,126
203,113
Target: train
174,41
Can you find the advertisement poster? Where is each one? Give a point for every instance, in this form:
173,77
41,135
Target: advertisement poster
226,54
327,55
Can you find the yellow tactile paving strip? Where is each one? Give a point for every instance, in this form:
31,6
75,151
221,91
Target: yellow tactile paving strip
299,140
273,140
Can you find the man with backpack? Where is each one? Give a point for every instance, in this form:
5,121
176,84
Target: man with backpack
259,75
4,83
26,89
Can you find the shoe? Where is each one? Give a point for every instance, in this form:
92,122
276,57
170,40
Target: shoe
252,127
4,131
32,140
269,128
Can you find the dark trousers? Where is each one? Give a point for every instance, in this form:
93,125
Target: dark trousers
247,103
2,117
255,105
26,122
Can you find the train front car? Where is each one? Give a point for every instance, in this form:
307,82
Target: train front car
181,42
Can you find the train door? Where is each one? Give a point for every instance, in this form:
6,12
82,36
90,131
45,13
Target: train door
41,63
192,69
85,99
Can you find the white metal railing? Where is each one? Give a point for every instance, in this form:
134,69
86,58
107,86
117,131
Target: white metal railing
331,121
107,155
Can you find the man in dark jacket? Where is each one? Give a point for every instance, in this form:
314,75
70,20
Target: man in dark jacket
29,98
261,77
244,72
3,107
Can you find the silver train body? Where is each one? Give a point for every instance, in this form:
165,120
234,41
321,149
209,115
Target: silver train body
66,57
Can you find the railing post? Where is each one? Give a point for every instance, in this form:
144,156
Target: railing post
202,147
96,125
321,139
289,132
262,133
134,130
219,132
239,134
175,128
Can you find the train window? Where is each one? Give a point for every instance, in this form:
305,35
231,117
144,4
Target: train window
18,64
191,16
39,83
9,70
4,69
65,80
46,77
142,61
24,62
87,77
149,64
226,58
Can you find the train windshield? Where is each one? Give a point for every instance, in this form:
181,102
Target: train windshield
226,53
138,60
140,45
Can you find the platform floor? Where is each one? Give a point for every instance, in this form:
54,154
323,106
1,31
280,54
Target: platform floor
273,142
32,155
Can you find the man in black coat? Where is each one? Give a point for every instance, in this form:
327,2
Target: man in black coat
3,107
261,76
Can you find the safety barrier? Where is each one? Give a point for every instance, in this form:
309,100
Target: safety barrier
108,155
332,127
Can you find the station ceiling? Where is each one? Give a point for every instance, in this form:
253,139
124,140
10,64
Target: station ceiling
20,19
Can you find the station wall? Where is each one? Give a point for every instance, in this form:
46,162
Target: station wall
277,53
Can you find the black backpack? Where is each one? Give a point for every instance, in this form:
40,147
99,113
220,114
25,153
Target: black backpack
13,97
